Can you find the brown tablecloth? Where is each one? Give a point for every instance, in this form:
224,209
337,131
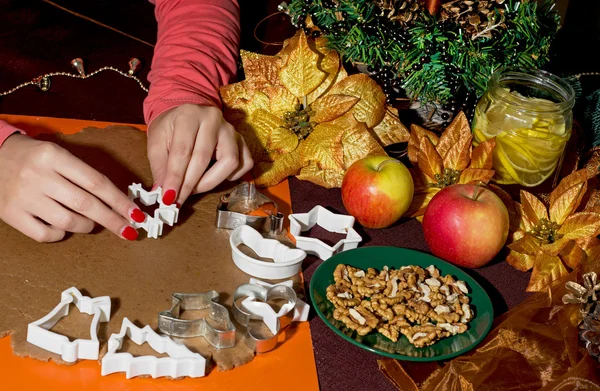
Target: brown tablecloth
37,38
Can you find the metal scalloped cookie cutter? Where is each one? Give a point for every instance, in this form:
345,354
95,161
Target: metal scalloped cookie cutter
181,361
286,261
233,208
249,309
39,334
332,222
170,324
164,214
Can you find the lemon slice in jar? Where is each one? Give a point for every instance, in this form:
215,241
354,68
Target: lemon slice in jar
509,173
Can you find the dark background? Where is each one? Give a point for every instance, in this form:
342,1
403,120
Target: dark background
37,38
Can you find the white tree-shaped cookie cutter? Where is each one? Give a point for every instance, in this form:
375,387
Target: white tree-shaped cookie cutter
39,334
181,361
164,214
332,222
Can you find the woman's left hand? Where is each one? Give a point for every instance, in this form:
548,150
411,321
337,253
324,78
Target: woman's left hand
181,144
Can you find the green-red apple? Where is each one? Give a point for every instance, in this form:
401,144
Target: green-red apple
377,191
466,225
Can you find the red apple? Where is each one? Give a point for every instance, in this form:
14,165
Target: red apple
466,225
377,191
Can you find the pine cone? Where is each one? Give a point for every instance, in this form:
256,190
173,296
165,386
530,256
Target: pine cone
590,333
478,18
403,12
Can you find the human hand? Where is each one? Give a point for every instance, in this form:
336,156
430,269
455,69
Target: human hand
40,180
181,143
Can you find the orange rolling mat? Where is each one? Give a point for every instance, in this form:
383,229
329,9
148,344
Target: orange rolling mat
290,366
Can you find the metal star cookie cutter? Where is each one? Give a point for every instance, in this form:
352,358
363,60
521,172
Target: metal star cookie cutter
332,222
181,361
39,334
286,261
170,324
232,209
164,214
249,309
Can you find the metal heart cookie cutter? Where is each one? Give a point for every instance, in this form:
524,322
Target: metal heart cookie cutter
286,261
332,222
39,334
170,324
249,309
233,208
181,361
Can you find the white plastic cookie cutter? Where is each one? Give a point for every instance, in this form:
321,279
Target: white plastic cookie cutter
164,214
39,334
286,261
181,361
332,222
301,310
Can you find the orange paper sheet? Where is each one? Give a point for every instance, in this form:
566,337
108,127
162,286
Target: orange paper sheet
291,366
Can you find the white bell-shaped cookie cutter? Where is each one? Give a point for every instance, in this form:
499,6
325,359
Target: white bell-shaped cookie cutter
286,261
332,222
39,334
163,214
181,361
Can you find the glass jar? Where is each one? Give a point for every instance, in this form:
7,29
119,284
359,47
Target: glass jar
530,114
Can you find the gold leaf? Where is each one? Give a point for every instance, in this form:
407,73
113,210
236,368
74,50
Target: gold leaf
482,156
567,196
510,204
520,261
262,123
532,208
260,70
580,225
526,245
324,147
256,146
420,202
420,180
271,173
390,130
358,143
232,92
300,74
282,141
325,178
546,270
414,142
430,161
572,254
371,107
330,64
331,106
281,101
453,146
476,175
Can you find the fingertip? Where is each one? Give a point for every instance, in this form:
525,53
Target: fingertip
169,196
129,233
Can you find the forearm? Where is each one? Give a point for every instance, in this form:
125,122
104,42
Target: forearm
196,53
7,130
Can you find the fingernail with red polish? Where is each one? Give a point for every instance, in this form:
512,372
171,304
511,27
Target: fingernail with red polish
137,215
129,233
178,205
169,197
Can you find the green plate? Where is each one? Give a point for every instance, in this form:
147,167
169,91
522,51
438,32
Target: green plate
394,257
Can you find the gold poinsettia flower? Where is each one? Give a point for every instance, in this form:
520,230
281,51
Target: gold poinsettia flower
548,239
443,161
301,114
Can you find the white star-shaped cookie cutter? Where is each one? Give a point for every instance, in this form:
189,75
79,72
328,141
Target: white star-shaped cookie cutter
332,222
181,361
164,214
39,334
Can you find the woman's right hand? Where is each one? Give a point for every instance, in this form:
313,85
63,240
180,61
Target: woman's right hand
45,192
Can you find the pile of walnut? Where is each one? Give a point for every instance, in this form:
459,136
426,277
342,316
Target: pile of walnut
413,301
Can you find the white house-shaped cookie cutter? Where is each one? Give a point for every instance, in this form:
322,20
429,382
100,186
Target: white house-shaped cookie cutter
332,222
181,361
39,334
286,261
164,214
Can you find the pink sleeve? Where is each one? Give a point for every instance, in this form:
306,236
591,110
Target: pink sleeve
195,54
7,130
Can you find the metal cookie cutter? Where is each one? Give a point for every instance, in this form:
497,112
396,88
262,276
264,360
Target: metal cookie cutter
170,324
301,310
286,261
249,309
243,199
332,222
181,361
39,334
